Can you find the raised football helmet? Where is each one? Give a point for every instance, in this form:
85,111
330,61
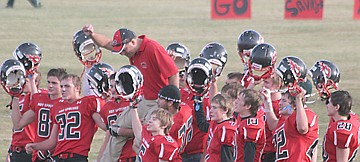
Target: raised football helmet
325,76
292,71
181,55
216,54
262,61
29,54
199,76
247,40
85,49
99,78
129,83
13,77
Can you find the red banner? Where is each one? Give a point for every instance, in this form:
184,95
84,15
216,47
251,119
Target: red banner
304,9
230,9
357,9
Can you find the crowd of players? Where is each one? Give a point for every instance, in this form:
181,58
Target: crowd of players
164,106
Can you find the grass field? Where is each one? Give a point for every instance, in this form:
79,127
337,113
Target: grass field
335,38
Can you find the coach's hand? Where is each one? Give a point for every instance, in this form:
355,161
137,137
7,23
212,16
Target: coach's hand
114,129
88,29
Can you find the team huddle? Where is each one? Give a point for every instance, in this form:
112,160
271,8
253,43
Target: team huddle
165,106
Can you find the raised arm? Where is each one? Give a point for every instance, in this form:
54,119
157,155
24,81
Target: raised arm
99,39
301,118
20,121
137,128
271,118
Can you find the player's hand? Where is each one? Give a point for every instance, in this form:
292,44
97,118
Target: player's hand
134,102
198,99
29,148
266,94
88,29
114,129
301,93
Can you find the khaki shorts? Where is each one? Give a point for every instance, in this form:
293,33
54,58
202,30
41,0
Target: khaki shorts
114,147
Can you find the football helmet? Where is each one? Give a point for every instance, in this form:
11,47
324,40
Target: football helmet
325,76
262,61
199,76
99,78
292,71
216,54
85,49
181,55
29,54
129,83
247,40
13,77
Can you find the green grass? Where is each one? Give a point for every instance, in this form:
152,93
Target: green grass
335,38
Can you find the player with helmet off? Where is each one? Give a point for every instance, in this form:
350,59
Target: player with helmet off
297,138
13,78
74,125
128,88
39,112
198,79
181,130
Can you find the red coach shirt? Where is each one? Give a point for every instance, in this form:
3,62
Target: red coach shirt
251,129
342,134
155,65
27,134
75,124
293,146
158,147
181,130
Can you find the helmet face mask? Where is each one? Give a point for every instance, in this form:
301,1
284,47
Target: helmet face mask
29,54
13,77
292,70
199,76
99,79
129,83
85,49
325,76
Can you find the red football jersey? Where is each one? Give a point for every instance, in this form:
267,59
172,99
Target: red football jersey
341,134
269,146
251,130
224,134
109,113
41,104
75,124
155,65
27,134
293,146
158,147
111,110
182,127
197,136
